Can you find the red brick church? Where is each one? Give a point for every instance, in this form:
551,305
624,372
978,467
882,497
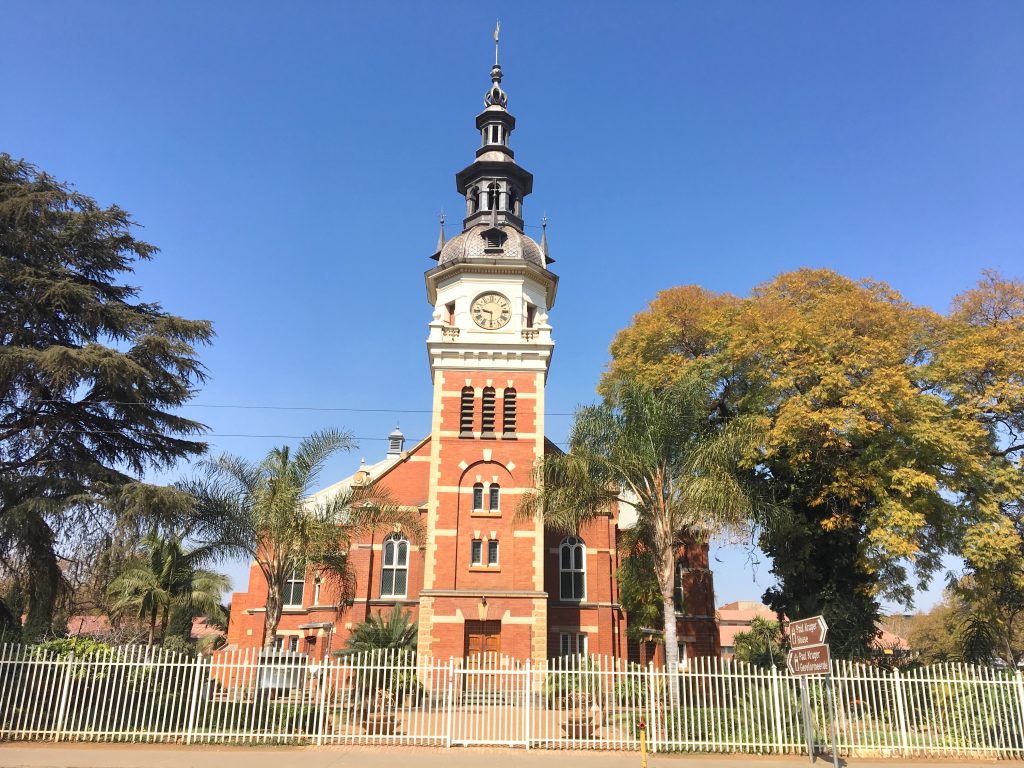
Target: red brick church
483,580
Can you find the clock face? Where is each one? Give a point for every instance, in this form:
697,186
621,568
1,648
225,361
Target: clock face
491,310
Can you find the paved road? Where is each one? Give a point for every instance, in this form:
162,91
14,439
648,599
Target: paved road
159,756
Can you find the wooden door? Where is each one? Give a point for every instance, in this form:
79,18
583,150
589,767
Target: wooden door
483,644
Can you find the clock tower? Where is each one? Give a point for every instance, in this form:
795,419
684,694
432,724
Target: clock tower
489,348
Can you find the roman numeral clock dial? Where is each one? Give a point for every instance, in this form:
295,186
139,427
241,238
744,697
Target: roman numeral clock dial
491,310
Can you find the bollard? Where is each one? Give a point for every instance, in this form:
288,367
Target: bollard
642,727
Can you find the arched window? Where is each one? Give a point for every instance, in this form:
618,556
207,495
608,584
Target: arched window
466,413
474,200
492,196
572,569
494,497
487,420
394,569
478,496
512,201
508,408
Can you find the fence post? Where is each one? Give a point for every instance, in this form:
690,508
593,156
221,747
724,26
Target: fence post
528,691
780,735
651,725
448,702
65,694
1020,697
194,701
805,702
901,712
321,717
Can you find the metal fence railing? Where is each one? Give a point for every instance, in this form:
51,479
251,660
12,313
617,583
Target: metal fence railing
142,694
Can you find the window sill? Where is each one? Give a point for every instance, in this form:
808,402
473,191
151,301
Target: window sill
485,513
485,569
393,597
509,436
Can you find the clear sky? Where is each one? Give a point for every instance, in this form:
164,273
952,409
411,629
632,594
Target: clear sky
290,160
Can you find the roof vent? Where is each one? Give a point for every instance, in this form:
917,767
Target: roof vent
494,239
396,443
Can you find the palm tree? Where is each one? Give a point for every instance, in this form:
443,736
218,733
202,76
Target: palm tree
659,452
391,630
165,575
268,513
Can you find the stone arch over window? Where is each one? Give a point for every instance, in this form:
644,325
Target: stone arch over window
466,413
394,569
572,569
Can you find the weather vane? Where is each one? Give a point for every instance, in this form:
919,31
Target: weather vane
497,29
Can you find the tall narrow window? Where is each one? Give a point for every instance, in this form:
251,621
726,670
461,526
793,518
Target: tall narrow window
478,496
292,597
494,497
474,200
679,593
316,590
492,552
572,643
449,313
487,422
466,414
572,569
531,315
492,196
494,134
508,407
394,569
476,552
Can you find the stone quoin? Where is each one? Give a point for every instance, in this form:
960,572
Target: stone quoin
483,580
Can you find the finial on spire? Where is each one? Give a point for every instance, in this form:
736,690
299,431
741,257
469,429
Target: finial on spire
440,237
544,235
495,96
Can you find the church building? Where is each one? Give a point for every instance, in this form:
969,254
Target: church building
482,580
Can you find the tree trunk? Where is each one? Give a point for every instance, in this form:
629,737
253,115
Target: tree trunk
163,623
667,584
152,626
272,617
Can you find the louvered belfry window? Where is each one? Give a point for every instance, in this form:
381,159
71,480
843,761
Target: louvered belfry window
487,422
508,421
466,413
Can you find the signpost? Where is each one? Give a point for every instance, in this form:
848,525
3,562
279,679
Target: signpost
809,655
810,660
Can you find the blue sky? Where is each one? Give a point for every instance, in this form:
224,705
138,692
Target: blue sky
290,160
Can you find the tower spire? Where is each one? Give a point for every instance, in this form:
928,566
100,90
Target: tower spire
544,236
495,96
440,237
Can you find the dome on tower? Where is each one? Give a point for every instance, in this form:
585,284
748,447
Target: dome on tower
485,241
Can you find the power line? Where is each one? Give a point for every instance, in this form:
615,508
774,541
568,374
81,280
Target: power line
288,407
200,437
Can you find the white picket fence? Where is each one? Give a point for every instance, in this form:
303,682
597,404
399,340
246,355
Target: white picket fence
139,694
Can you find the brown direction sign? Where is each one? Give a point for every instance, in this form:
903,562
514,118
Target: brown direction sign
807,632
810,660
